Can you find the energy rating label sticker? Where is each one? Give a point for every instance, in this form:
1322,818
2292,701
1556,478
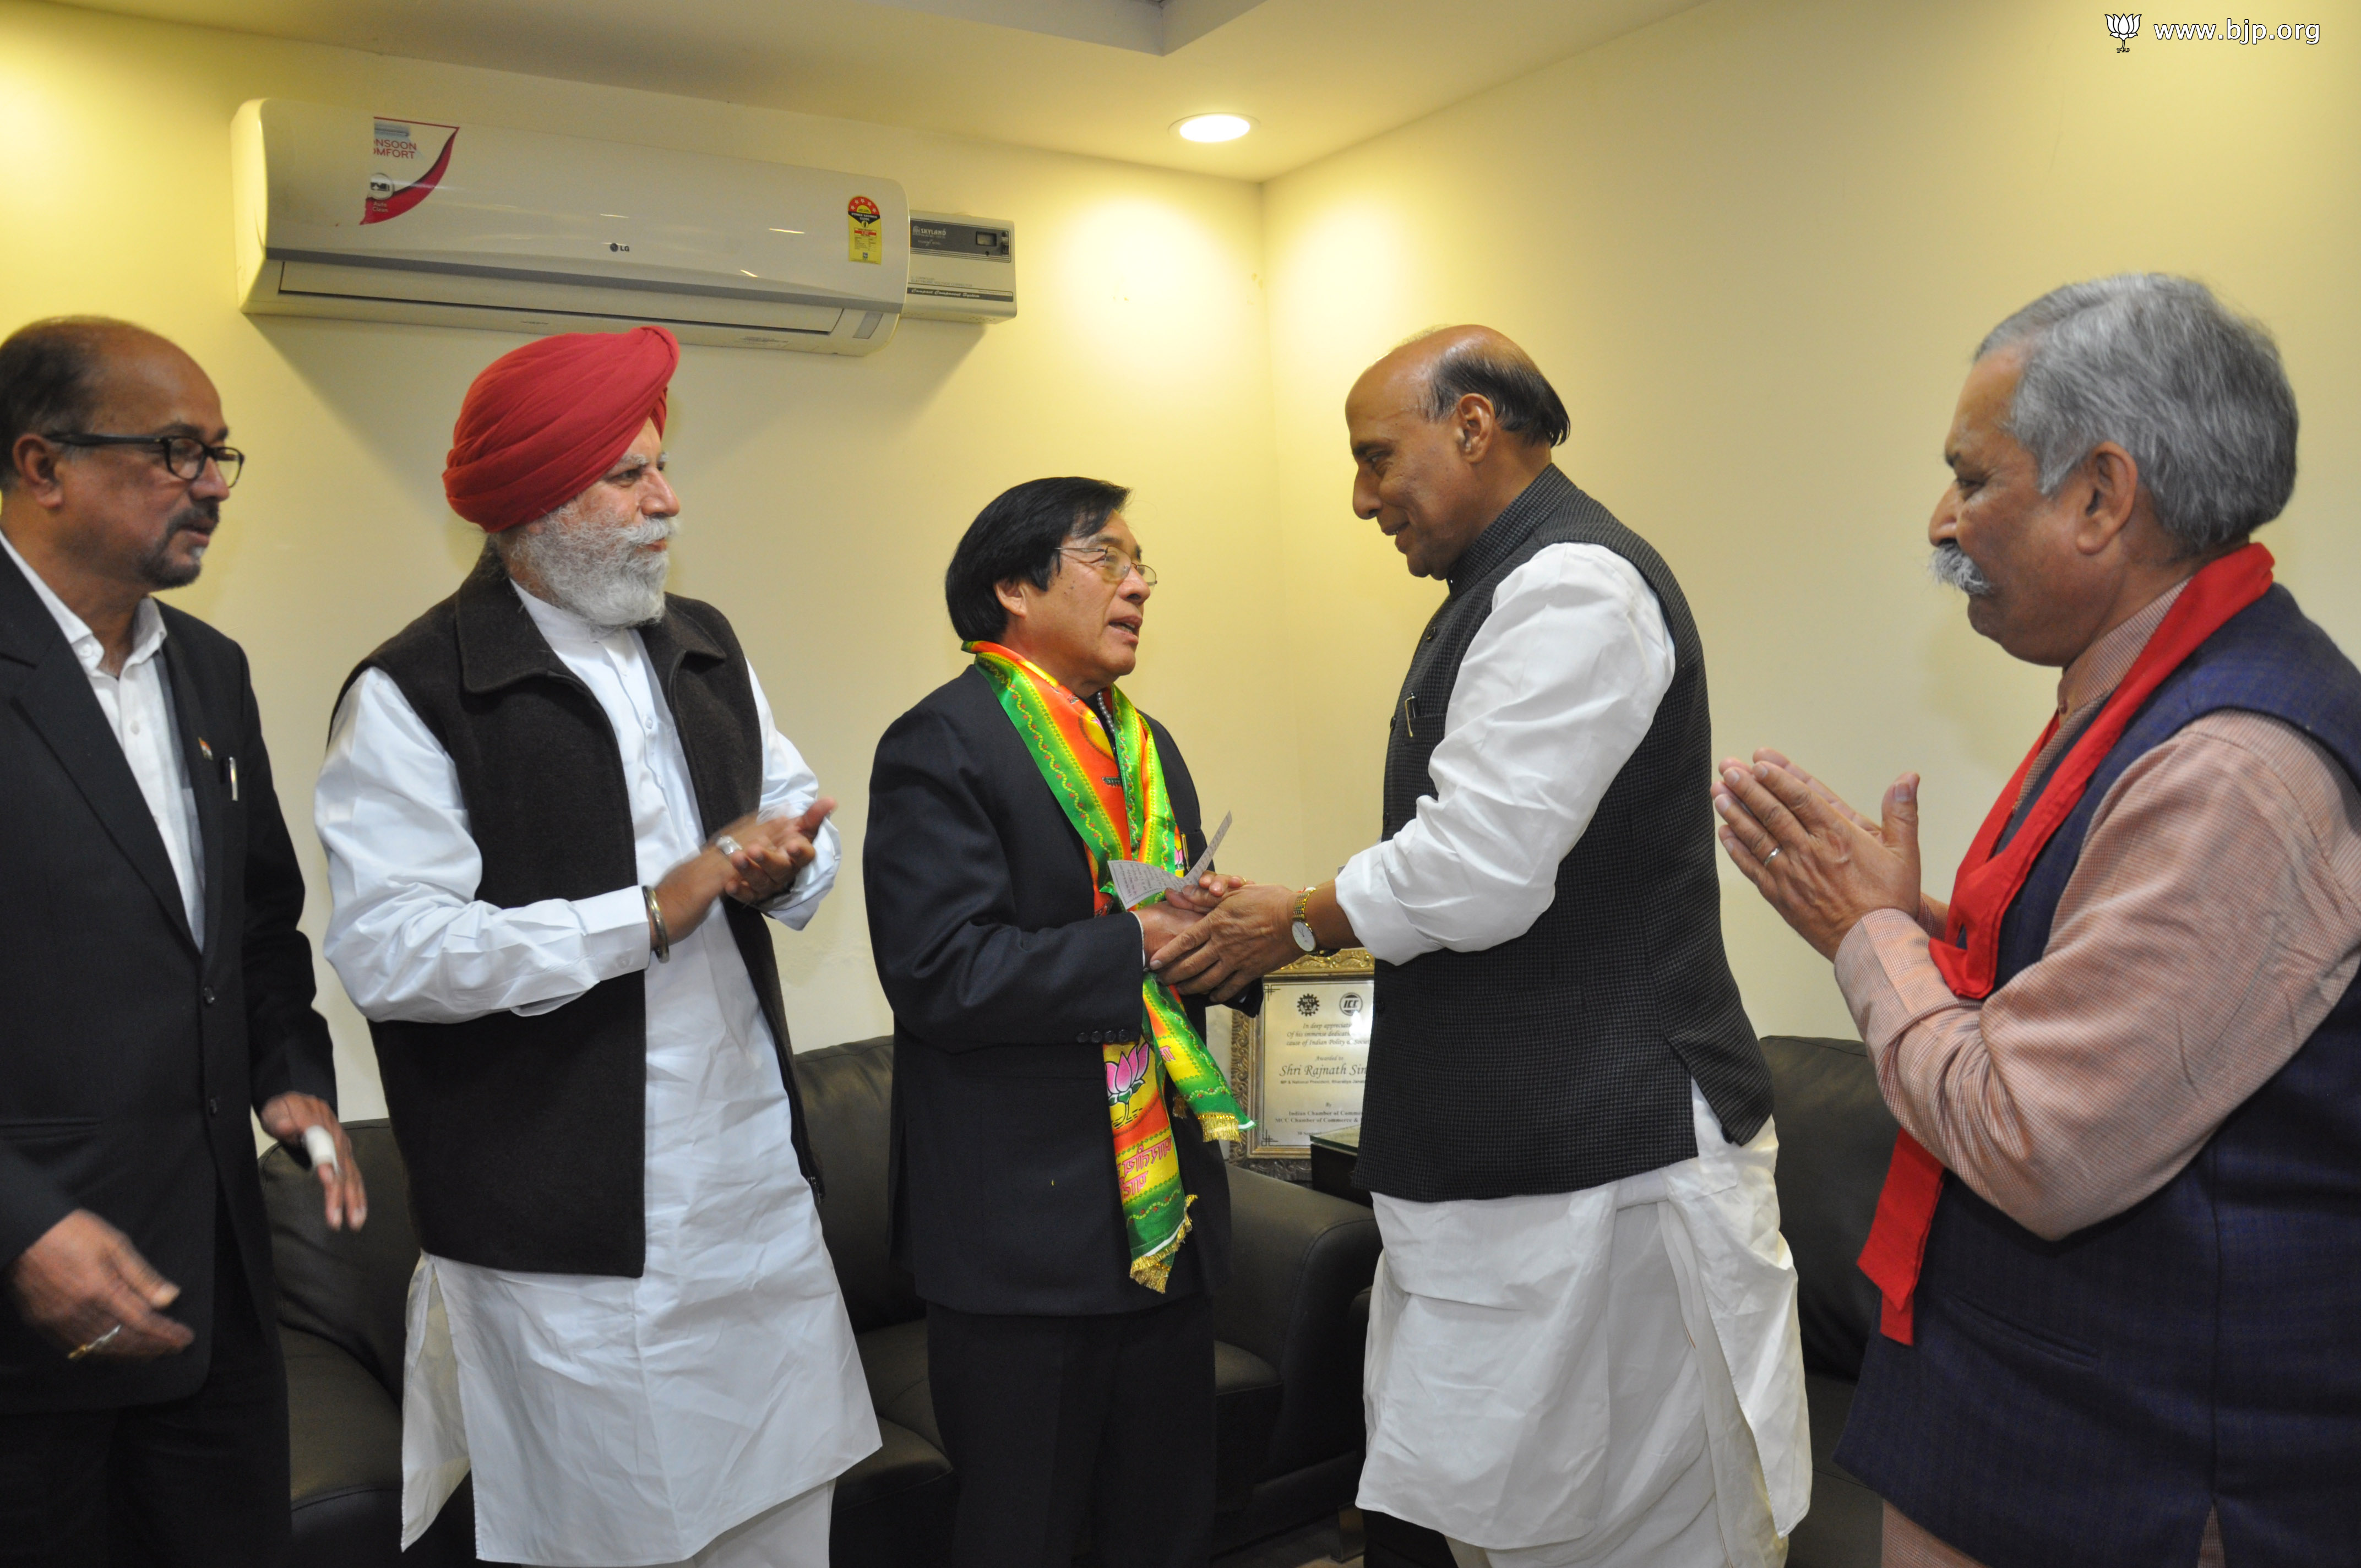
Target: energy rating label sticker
862,218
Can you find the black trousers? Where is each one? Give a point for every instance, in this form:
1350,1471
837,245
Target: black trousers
194,1483
1063,1427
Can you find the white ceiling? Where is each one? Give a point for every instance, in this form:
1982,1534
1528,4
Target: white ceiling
1102,77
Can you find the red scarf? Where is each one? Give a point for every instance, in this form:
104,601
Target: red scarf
1968,954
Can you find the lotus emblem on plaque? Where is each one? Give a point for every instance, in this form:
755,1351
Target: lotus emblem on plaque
2125,29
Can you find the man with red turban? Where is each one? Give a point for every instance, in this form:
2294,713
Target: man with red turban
537,798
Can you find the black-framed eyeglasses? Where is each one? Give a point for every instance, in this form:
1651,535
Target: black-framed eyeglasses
184,456
1112,564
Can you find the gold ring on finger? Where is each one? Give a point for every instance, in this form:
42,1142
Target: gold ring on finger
78,1352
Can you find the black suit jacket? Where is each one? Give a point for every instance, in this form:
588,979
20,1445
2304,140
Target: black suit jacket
1005,987
130,1057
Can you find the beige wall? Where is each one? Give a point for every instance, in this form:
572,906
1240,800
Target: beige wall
822,495
1753,246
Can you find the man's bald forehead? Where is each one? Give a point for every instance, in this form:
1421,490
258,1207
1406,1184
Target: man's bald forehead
1434,369
1428,348
131,364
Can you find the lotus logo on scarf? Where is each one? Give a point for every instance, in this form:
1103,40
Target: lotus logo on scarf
1126,1073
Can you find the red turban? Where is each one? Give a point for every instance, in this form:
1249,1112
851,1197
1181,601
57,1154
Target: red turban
544,423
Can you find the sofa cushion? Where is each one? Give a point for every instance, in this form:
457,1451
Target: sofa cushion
1846,1527
344,1431
848,1094
345,1448
1297,1259
349,1288
894,1360
894,1509
1835,1139
1247,1397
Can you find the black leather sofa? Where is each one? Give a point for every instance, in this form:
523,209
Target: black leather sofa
1835,1137
1287,1369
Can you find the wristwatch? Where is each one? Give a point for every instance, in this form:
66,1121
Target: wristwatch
1305,937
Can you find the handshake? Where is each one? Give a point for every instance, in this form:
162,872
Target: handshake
1220,934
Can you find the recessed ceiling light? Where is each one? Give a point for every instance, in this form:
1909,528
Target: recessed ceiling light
1215,127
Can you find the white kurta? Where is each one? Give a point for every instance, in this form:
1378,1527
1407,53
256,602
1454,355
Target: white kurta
1600,1377
609,1421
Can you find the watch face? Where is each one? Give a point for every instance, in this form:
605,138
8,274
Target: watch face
1305,938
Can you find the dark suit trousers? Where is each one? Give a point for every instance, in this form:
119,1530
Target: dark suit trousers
1059,1427
193,1483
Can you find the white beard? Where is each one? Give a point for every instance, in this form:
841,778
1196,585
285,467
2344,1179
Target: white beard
607,576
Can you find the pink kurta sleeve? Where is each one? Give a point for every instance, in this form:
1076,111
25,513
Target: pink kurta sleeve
2213,919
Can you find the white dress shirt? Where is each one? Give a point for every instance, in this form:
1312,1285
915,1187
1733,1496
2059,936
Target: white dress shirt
138,706
1604,1378
609,1421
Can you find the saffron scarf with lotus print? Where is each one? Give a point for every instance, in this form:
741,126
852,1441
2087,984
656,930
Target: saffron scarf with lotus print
1108,779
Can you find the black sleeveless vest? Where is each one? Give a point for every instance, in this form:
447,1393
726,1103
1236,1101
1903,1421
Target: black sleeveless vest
525,1137
1560,1059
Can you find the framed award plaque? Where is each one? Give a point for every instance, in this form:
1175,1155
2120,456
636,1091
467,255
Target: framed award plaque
1298,1067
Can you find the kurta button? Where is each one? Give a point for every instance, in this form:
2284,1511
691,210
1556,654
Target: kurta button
213,1106
208,994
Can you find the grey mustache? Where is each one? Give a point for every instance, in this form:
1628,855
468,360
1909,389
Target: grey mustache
1948,564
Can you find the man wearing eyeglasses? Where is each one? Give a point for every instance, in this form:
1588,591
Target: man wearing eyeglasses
157,987
557,813
1058,1190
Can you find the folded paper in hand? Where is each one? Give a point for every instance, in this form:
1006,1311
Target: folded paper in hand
1136,882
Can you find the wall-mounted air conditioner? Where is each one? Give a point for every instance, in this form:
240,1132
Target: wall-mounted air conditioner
369,216
961,268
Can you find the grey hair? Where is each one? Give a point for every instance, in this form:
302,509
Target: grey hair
1523,402
2158,366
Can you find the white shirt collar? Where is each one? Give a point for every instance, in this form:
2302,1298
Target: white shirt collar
147,621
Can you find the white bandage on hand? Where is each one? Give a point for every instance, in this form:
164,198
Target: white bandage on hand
321,1145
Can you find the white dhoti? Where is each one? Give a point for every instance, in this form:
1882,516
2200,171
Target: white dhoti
702,1411
1597,1379
612,1423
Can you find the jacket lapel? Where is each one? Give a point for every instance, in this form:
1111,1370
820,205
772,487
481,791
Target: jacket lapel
56,700
208,777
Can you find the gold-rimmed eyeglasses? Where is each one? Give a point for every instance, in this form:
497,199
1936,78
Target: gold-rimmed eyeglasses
1112,564
184,456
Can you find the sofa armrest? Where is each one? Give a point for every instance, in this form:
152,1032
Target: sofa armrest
344,1436
1297,1259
